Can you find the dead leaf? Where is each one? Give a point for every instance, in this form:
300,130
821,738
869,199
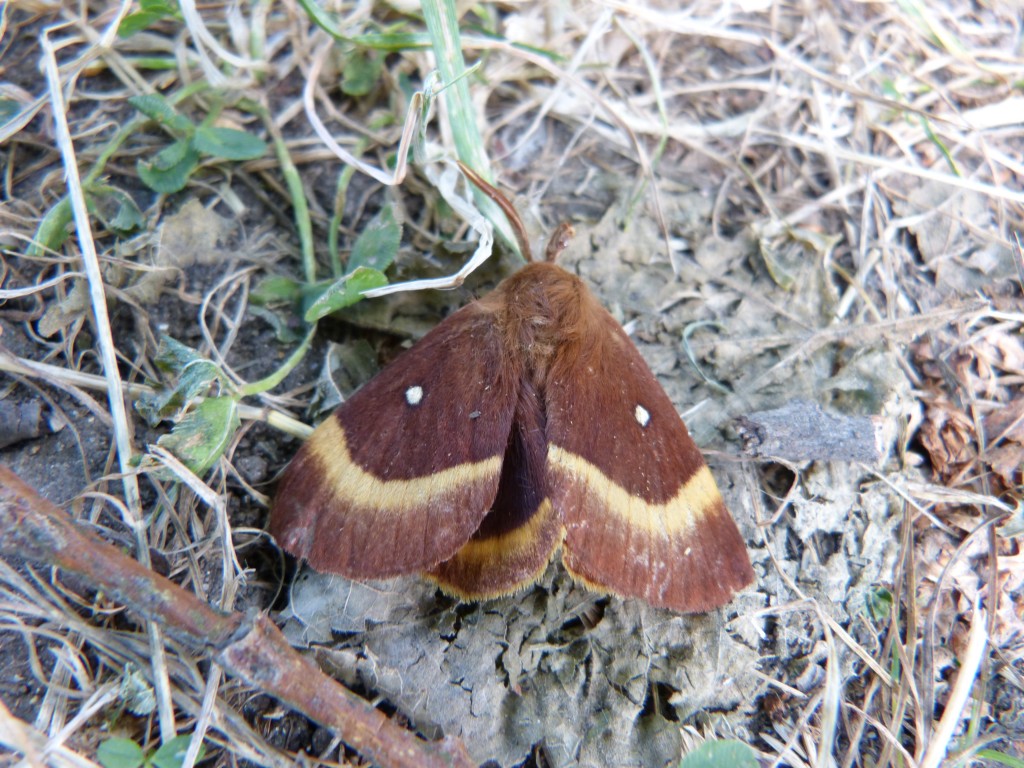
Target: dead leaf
947,434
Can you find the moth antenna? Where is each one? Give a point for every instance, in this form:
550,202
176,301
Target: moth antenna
506,207
559,241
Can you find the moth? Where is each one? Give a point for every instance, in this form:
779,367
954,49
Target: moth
524,424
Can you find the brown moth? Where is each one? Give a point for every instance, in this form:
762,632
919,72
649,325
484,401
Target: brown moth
524,424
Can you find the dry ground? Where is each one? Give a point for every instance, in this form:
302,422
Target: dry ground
785,203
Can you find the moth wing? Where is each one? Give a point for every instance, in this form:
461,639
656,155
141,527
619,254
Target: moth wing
521,532
399,477
643,515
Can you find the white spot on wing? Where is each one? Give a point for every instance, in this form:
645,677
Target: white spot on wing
643,417
413,395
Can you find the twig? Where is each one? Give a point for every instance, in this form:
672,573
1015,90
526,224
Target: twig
250,647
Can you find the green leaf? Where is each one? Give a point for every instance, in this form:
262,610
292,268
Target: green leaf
174,155
52,231
345,292
172,356
170,402
393,41
156,107
283,331
9,109
172,754
151,11
171,168
191,373
275,290
266,299
1000,757
878,602
120,753
138,21
201,437
721,754
228,143
361,72
115,208
160,6
323,19
377,245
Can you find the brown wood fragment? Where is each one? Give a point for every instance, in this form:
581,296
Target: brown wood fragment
249,646
801,431
20,421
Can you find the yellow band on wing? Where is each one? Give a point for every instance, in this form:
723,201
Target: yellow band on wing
360,488
484,569
517,542
695,498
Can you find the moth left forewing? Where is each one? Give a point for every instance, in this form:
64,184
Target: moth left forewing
643,515
401,475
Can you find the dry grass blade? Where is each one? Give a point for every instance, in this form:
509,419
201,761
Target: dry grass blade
108,353
971,662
